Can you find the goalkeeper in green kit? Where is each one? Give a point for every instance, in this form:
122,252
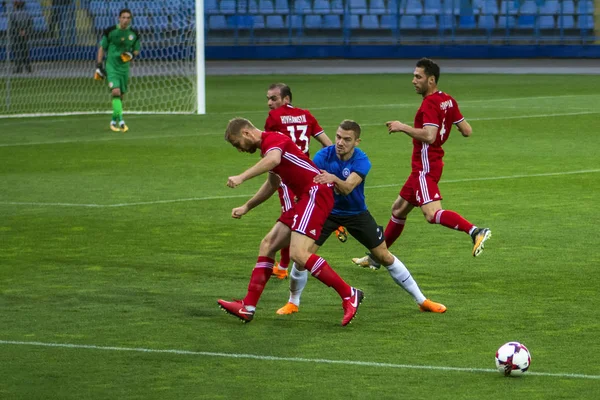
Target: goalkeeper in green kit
121,44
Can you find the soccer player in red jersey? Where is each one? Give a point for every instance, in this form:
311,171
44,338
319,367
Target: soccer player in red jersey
300,125
299,227
432,126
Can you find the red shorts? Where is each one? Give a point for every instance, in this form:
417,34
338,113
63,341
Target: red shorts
286,197
421,188
310,212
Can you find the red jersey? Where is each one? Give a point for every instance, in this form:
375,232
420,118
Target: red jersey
296,170
298,124
440,110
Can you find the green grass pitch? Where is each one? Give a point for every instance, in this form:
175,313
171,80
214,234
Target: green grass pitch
115,247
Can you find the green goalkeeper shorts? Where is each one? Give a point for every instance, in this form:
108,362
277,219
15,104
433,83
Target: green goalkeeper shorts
116,80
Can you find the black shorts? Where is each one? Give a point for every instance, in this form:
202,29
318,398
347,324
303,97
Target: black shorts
362,227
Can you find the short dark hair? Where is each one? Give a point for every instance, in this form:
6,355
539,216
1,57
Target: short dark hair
125,10
284,90
430,68
349,125
235,126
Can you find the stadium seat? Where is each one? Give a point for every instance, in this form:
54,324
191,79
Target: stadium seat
115,7
98,8
331,21
353,22
428,22
546,22
389,22
321,7
585,7
180,21
258,22
102,22
160,22
413,7
467,22
377,7
565,22
302,7
529,7
487,22
137,7
33,7
526,22
452,7
217,22
433,7
550,7
274,22
489,7
266,7
142,23
507,22
447,22
585,22
3,24
567,7
395,6
370,22
295,21
282,7
228,7
408,22
358,7
313,22
510,7
246,7
337,7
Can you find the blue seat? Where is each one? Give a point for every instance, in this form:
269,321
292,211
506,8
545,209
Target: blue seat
413,7
160,22
228,7
39,24
98,8
33,7
507,22
275,22
489,7
529,7
452,7
240,21
550,7
370,22
331,21
433,7
258,22
510,7
313,22
281,7
302,7
486,22
447,22
358,7
585,22
137,7
245,7
467,22
142,23
353,21
428,22
566,22
546,22
115,7
567,7
408,22
102,22
321,7
395,6
217,22
337,7
180,21
526,21
377,7
3,24
295,21
585,7
266,7
389,22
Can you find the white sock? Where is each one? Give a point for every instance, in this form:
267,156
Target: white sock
402,277
298,280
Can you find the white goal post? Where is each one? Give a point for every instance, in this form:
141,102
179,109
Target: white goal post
48,57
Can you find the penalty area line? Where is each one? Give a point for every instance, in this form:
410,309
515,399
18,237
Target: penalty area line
284,359
143,203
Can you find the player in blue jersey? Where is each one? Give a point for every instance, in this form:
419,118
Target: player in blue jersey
347,166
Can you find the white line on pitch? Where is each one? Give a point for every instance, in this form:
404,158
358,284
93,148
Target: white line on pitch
114,138
141,203
287,359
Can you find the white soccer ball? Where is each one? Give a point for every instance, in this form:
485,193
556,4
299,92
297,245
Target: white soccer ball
512,359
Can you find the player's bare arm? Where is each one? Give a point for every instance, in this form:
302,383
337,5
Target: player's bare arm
268,188
343,187
464,128
270,161
324,140
426,134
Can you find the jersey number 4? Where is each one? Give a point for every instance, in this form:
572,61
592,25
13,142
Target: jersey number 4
298,135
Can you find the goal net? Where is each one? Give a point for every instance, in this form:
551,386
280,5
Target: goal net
48,56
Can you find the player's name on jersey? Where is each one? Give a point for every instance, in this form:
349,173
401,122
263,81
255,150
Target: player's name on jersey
293,119
446,104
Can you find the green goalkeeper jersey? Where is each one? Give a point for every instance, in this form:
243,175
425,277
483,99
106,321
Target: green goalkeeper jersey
116,41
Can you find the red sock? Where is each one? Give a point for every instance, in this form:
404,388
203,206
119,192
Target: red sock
284,260
393,230
260,276
319,268
451,220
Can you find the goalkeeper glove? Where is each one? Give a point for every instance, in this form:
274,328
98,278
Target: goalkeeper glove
100,73
127,56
